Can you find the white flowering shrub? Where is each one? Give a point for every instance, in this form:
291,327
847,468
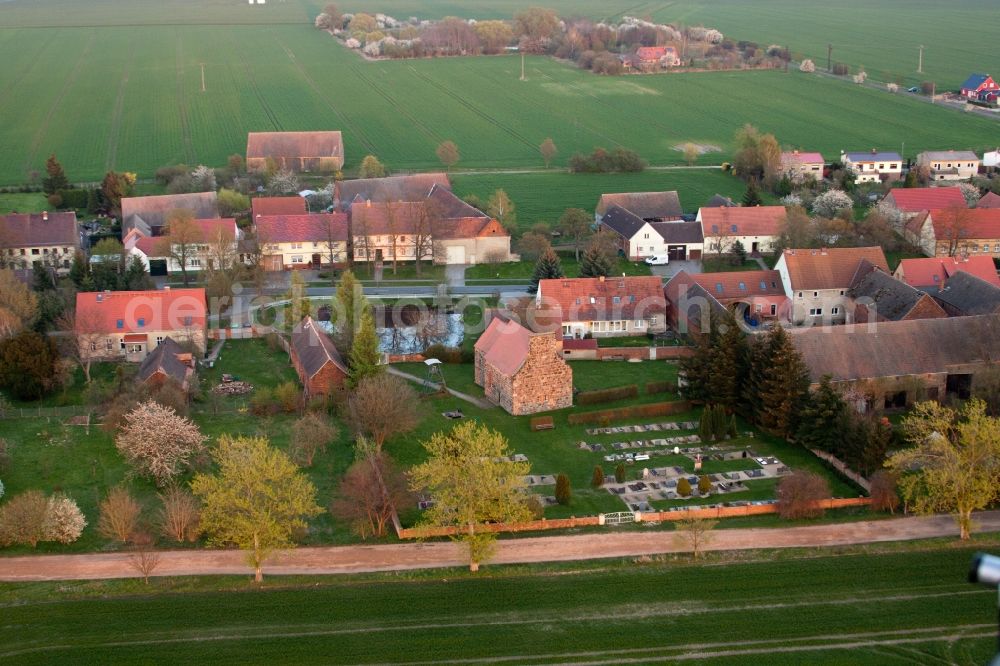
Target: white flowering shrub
64,522
831,202
807,66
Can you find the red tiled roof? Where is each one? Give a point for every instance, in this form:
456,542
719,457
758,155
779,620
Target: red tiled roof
314,348
754,221
210,230
294,144
915,199
935,271
166,310
593,299
153,210
416,187
467,227
302,228
989,200
915,224
578,344
36,229
278,206
724,286
377,219
506,345
832,268
796,157
653,52
969,222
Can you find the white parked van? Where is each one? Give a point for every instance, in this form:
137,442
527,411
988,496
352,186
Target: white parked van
658,260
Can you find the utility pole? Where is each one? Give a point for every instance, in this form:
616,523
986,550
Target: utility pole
203,77
522,65
829,58
920,61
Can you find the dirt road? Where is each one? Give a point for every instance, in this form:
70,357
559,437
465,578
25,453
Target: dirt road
358,559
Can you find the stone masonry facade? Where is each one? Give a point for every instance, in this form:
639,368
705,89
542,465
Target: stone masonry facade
544,382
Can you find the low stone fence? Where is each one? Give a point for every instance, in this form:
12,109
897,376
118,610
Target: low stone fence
641,353
654,517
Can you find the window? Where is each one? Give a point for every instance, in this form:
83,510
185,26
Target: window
800,294
893,166
715,228
577,300
774,309
732,228
296,246
631,299
66,249
763,285
815,294
188,320
616,300
937,278
45,250
93,346
986,247
815,312
159,340
315,244
881,166
835,311
141,322
639,324
133,349
120,324
743,286
195,262
592,300
109,344
121,341
645,236
34,250
718,287
841,292
758,307
566,330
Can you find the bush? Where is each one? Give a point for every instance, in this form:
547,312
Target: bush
5,447
638,411
535,506
705,424
883,492
660,387
607,395
74,198
620,473
288,396
597,480
800,494
704,485
22,519
601,161
563,492
683,487
64,522
262,401
450,355
119,515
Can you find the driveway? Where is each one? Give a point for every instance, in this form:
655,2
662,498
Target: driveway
675,267
455,274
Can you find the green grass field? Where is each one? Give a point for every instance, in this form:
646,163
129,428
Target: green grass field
130,97
886,607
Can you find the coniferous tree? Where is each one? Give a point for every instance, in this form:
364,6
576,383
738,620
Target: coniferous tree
563,491
785,385
751,197
759,357
705,424
720,422
78,269
620,473
732,432
728,369
56,179
595,262
547,268
597,480
697,368
821,418
364,357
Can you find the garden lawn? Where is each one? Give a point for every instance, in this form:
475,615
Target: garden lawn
31,202
812,608
523,270
716,265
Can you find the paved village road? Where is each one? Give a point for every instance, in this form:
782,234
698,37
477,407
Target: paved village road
358,559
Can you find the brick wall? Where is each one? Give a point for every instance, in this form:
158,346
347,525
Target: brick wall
643,353
545,381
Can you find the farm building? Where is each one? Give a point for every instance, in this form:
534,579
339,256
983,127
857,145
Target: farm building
130,324
877,297
950,164
168,362
965,295
719,201
873,167
950,232
756,228
817,280
912,200
296,151
649,206
932,273
149,214
203,243
638,238
316,360
522,371
754,296
294,205
689,306
603,307
302,241
392,188
43,239
989,200
899,362
799,166
977,84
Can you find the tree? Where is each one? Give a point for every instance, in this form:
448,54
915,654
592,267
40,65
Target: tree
548,150
704,485
821,417
233,203
683,487
348,305
18,305
705,433
82,338
954,462
535,26
371,168
179,515
547,268
800,495
310,434
694,533
283,181
691,153
114,187
784,385
364,359
596,262
361,22
832,203
182,240
157,442
473,483
28,365
739,253
620,473
143,558
757,156
493,36
203,179
531,245
447,152
751,197
576,224
23,519
729,363
501,208
807,66
119,515
369,493
257,501
798,230
883,491
597,480
55,180
563,491
383,406
64,522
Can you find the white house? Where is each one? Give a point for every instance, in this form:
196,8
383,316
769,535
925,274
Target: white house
873,167
757,228
950,164
213,239
638,238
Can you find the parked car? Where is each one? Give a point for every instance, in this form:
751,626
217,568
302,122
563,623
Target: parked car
658,260
914,89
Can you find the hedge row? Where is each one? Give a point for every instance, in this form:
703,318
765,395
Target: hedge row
660,387
449,354
638,411
607,395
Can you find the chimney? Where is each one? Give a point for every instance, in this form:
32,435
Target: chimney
601,278
259,215
368,203
166,287
45,216
874,151
822,251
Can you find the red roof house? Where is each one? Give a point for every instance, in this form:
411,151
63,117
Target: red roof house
989,200
316,360
916,199
301,241
522,371
755,295
297,151
50,239
932,273
757,228
278,206
603,307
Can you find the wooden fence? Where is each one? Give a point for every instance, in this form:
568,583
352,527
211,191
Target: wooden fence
45,412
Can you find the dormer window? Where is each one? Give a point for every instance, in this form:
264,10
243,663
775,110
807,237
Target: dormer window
120,324
743,286
616,300
733,228
715,228
141,322
718,287
592,300
763,285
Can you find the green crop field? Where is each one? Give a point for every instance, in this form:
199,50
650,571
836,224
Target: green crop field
121,88
882,608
